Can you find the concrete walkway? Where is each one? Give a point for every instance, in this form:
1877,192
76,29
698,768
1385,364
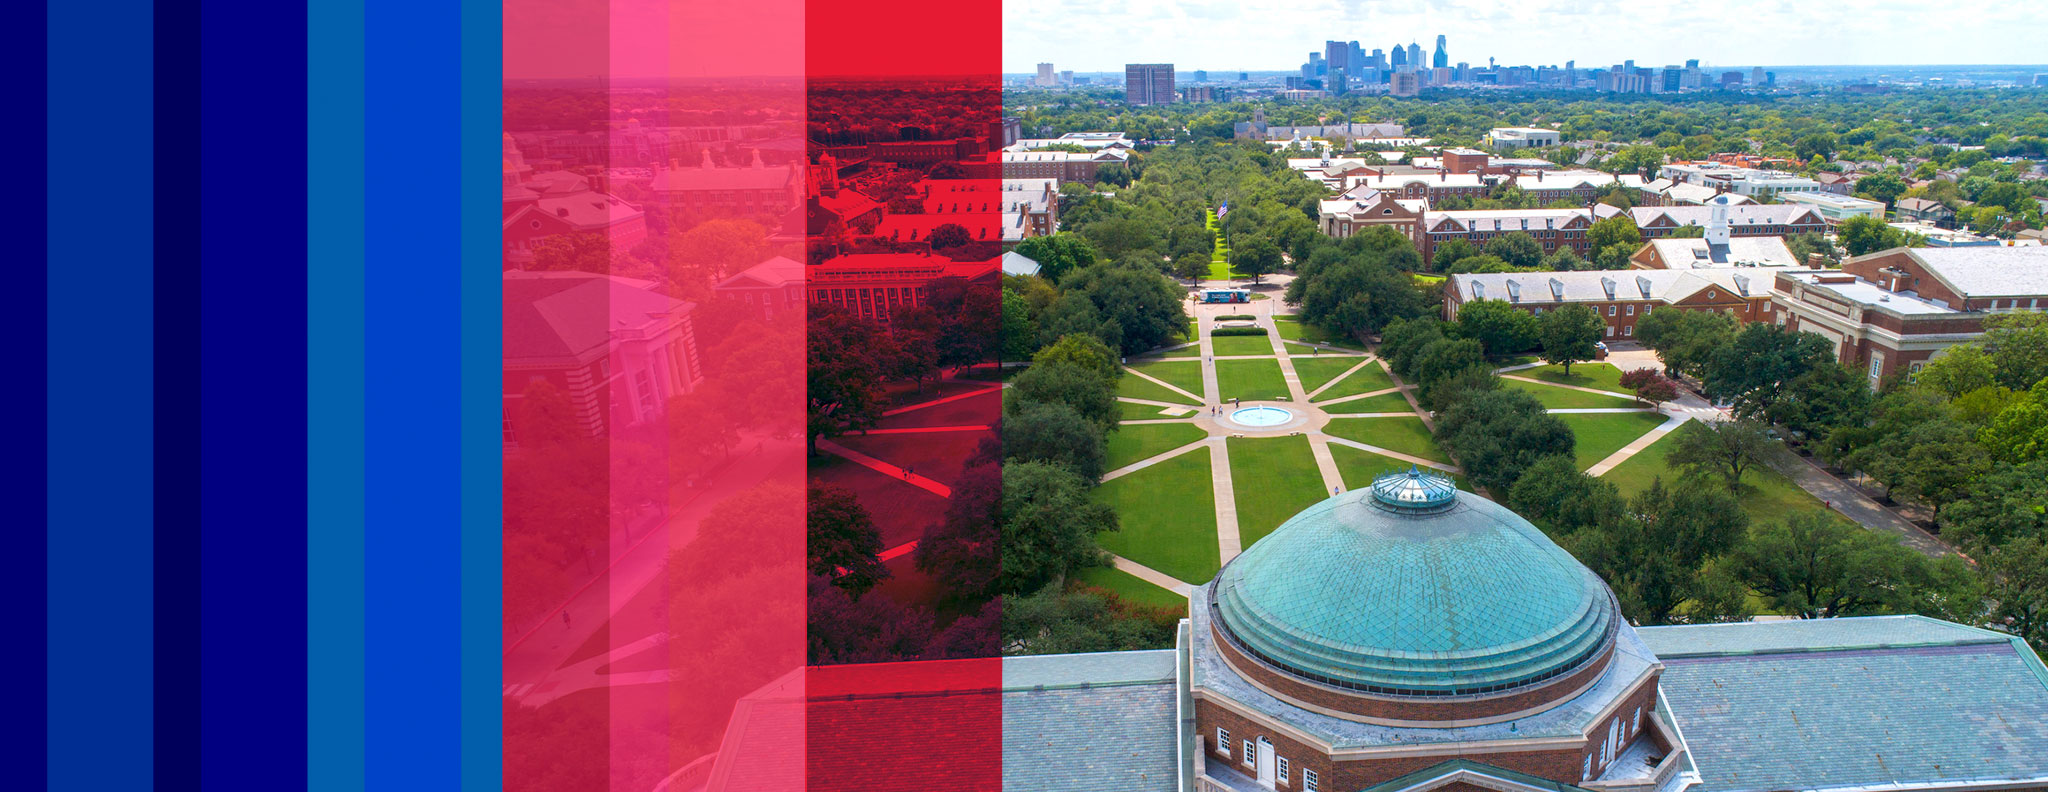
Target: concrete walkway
1852,503
1357,396
1229,542
1365,360
1598,410
1153,576
1386,452
1153,460
879,466
1629,396
1635,446
943,400
1206,376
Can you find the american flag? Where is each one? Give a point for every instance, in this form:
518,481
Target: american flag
1220,210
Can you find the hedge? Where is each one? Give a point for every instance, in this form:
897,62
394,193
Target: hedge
1237,331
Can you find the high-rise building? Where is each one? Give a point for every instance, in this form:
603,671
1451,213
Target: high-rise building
1673,78
1336,55
1148,83
1756,75
1045,74
1405,82
1443,54
1201,75
1244,76
1400,55
1067,77
1378,59
1415,55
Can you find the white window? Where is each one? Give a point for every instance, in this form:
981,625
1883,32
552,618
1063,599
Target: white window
1586,771
1281,764
1610,331
1629,330
1631,310
1610,310
1223,741
1251,754
1308,781
1636,724
1710,294
1646,309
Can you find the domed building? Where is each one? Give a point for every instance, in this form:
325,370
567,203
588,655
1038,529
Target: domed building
1411,637
1388,629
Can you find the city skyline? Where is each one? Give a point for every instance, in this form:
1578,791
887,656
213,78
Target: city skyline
1262,35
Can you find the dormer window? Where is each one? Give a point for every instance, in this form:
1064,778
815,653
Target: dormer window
1643,285
1557,289
1607,285
1514,291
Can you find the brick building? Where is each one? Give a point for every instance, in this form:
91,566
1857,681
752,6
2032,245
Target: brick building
771,287
617,349
871,285
1551,228
1744,219
1363,207
1619,297
1892,311
1061,165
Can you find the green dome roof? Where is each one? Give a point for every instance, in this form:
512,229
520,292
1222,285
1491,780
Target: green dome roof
1414,588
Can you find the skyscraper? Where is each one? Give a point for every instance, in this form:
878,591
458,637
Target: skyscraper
1399,55
1045,74
1443,55
1148,83
1415,55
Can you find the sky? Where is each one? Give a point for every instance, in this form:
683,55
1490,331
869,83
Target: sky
1269,35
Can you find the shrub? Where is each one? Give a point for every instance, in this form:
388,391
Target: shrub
1237,331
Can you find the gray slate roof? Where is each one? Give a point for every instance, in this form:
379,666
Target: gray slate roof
1088,722
1854,703
1989,271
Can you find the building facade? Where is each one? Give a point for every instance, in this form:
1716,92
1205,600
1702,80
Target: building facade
1148,83
614,347
873,285
1620,298
1891,311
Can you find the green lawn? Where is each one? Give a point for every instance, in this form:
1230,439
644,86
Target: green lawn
1773,497
1167,514
1131,443
1383,403
1193,351
1133,411
1567,399
1292,329
1584,375
1314,371
1598,435
1250,380
1184,374
1131,588
1406,435
1360,467
1141,388
1194,330
1274,479
1373,377
1240,345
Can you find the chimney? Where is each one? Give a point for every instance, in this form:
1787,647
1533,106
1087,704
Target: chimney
1816,261
706,160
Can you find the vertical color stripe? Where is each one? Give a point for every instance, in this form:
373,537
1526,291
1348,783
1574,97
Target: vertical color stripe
412,485
252,100
482,456
179,194
99,388
334,397
28,488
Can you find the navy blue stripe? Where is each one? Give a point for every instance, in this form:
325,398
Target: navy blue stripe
252,183
179,537
413,485
29,485
99,380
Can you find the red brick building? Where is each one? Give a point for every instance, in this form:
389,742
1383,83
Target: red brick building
1620,297
872,285
1892,311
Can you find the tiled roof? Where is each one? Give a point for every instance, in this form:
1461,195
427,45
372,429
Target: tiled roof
777,271
1757,251
556,315
1087,722
1738,216
1861,702
1544,288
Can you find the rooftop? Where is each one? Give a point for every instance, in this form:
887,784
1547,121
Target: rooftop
1753,251
1991,271
1888,701
1867,294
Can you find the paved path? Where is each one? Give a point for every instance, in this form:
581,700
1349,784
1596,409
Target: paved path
879,466
1153,576
1629,396
1357,396
1206,376
1228,541
1364,360
1153,460
1387,452
1637,445
1598,410
939,401
1852,503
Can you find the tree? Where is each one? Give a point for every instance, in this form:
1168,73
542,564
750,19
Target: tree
1442,359
1191,266
582,252
2018,432
1496,435
1818,144
1058,254
1655,554
1255,256
1805,246
1818,566
1082,350
2005,505
1404,338
1053,621
1961,369
1555,495
1685,340
1719,448
1144,304
715,248
1564,259
1081,389
843,364
2018,343
842,544
1649,386
1019,335
1054,434
962,550
1449,252
947,236
1617,231
875,629
1568,335
1499,327
1756,369
1860,235
1518,249
913,355
2019,584
1881,187
1048,525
